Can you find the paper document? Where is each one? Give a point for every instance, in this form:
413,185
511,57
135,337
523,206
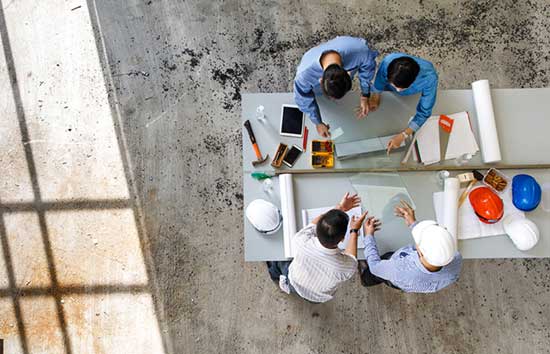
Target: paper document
469,225
461,140
427,141
308,215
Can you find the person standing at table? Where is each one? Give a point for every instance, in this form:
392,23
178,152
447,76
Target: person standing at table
431,264
329,69
407,75
320,267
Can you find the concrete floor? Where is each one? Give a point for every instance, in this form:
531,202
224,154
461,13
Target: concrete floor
123,234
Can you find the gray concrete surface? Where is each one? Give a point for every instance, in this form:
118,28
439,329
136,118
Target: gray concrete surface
174,72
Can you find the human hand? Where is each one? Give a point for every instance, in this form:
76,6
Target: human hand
349,202
357,221
374,101
371,225
395,142
323,130
363,110
405,211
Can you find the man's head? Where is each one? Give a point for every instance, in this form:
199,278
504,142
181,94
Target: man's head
332,227
336,81
434,243
402,72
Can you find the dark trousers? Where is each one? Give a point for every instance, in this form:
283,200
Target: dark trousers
278,268
369,279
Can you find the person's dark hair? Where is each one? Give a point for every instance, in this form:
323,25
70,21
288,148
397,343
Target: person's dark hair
336,81
332,227
403,71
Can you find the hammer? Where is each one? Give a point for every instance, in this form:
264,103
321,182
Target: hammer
259,160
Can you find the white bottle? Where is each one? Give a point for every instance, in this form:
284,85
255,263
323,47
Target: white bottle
260,113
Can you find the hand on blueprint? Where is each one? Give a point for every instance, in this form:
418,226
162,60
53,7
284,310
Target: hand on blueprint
395,142
405,211
371,225
322,129
357,222
363,110
349,202
374,102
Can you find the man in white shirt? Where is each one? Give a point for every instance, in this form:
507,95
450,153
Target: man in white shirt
320,267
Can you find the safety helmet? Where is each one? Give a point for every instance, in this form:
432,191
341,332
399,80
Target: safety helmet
264,216
523,232
435,242
487,205
526,192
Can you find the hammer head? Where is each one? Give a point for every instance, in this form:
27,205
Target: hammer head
260,161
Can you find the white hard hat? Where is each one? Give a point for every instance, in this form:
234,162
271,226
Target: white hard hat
264,216
435,242
523,232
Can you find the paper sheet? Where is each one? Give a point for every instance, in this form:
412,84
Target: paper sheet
309,214
288,212
461,140
450,206
428,141
490,148
469,225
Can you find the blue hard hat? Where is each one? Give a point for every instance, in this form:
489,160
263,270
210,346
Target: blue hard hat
526,192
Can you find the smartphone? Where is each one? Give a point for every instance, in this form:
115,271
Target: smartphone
292,155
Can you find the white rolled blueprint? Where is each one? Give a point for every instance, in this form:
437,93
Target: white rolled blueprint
450,209
490,148
288,212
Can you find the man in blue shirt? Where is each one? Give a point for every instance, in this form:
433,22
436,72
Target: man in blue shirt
329,69
407,75
430,265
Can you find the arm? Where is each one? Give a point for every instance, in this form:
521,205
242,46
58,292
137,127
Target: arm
425,105
381,79
305,99
367,68
351,247
384,269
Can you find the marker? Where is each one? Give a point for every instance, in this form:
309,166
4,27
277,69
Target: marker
304,142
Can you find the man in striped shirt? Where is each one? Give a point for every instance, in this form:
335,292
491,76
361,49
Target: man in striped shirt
320,267
431,264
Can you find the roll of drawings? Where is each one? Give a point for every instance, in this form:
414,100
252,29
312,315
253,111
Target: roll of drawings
490,148
450,209
288,212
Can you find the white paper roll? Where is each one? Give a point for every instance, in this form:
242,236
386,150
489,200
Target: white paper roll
450,210
288,212
490,148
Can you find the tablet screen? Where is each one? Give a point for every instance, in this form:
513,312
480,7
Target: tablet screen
292,121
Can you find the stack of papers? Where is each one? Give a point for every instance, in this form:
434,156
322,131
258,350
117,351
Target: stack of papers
461,139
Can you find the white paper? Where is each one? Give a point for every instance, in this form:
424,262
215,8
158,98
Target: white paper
338,132
428,141
490,148
469,225
450,206
309,214
288,212
461,140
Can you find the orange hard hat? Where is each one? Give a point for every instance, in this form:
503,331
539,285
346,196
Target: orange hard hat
487,205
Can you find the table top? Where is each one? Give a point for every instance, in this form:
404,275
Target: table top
517,112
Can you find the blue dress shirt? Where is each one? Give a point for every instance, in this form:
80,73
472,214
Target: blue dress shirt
356,57
405,271
425,83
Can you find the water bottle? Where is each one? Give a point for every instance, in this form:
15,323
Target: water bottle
260,113
268,186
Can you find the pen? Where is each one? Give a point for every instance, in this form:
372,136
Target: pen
304,142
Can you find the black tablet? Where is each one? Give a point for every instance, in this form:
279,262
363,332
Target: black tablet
292,121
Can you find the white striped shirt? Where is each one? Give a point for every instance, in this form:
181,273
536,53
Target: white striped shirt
316,271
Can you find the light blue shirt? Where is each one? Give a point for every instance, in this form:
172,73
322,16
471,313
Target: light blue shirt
356,57
405,271
425,83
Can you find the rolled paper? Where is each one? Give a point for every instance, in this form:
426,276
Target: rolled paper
288,212
450,209
490,148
